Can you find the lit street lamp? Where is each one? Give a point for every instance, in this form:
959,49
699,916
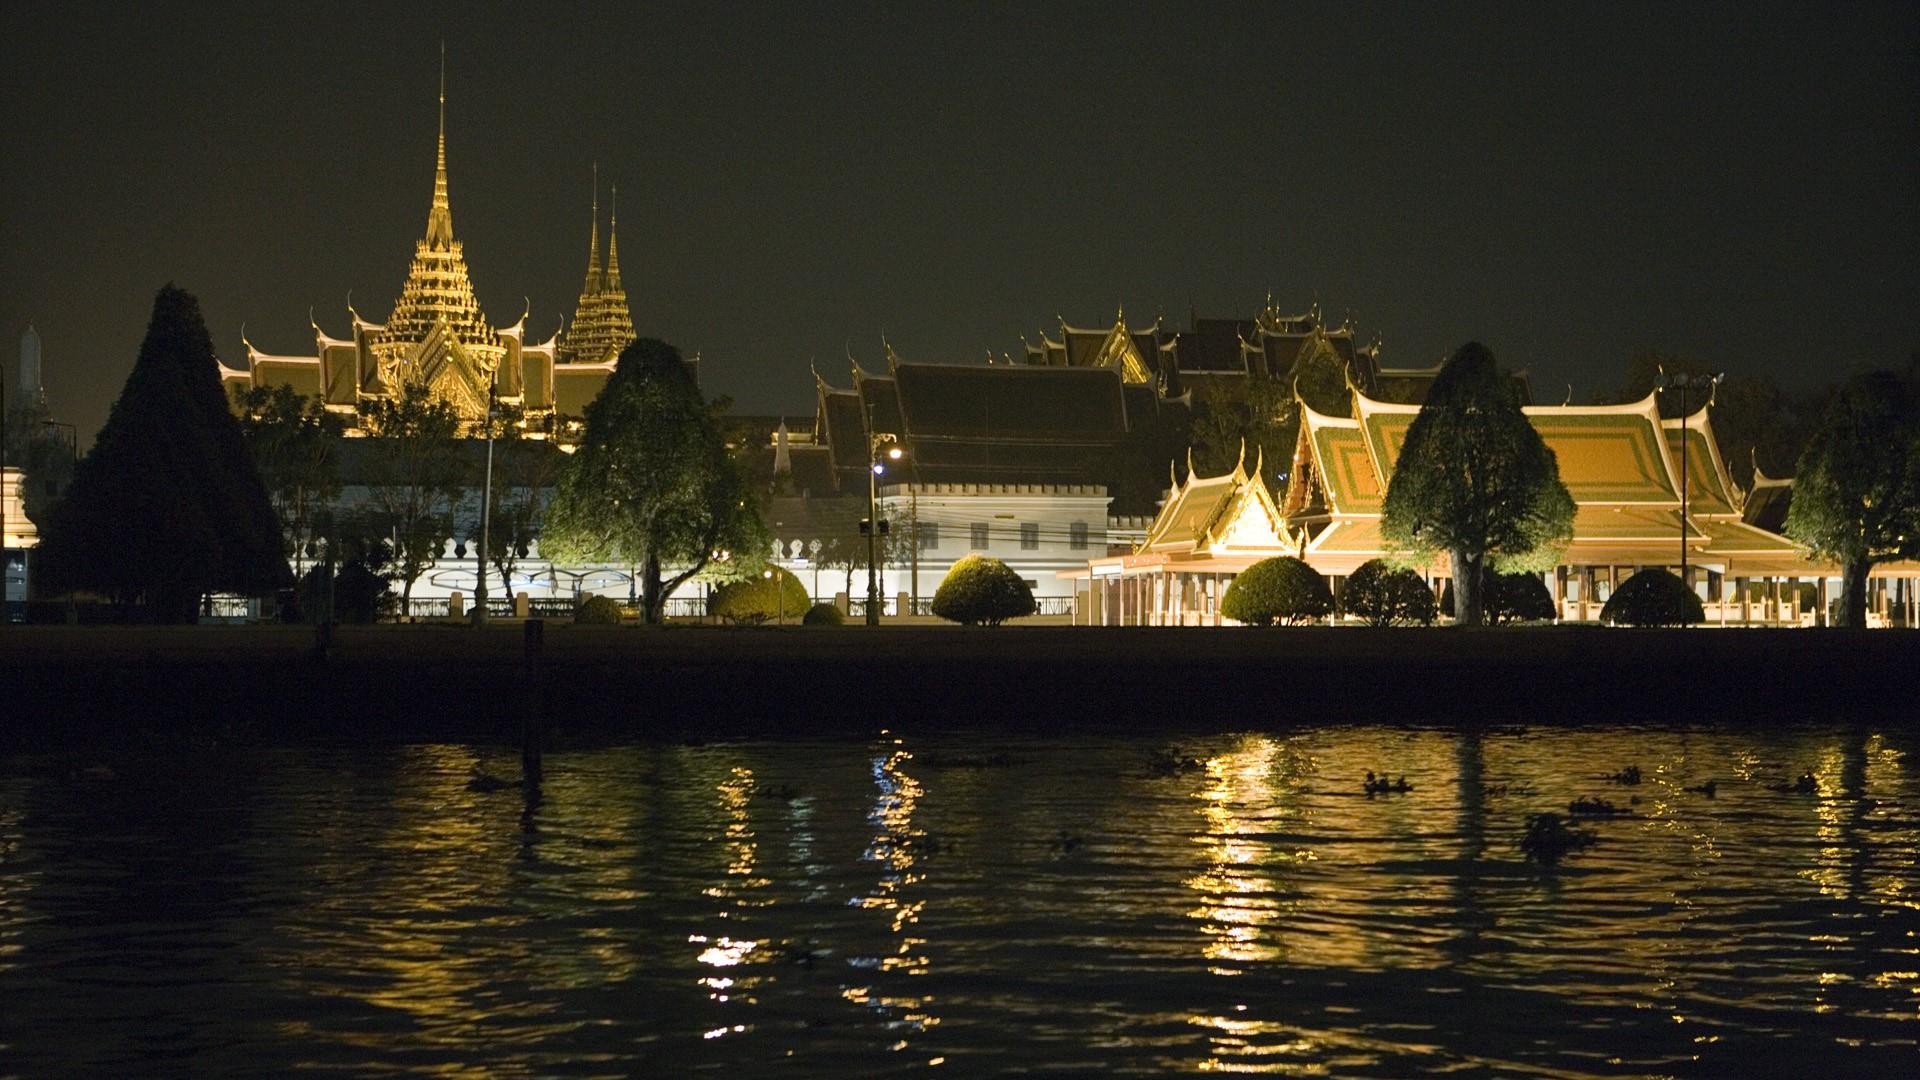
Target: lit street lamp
779,596
486,513
873,526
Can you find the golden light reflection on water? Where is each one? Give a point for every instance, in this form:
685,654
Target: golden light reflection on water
1236,894
895,848
674,908
720,950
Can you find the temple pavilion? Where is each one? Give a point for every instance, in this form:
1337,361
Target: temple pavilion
1644,487
438,336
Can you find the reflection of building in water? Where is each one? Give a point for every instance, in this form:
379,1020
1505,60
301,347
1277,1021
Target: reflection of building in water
725,953
896,850
1238,901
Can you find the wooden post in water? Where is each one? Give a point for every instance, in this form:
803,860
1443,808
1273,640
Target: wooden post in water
531,716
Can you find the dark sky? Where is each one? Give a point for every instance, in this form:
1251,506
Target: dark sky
1737,183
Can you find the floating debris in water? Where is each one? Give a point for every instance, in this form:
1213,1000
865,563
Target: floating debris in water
1706,789
1383,786
1595,808
1806,785
1548,837
783,792
1168,763
1629,776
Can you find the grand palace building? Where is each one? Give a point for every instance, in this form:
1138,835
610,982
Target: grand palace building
438,336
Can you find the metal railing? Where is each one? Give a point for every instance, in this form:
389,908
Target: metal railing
430,609
684,607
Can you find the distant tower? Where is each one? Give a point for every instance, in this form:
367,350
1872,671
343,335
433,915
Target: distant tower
602,324
32,394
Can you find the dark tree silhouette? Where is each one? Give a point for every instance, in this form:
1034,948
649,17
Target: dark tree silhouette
1856,493
167,507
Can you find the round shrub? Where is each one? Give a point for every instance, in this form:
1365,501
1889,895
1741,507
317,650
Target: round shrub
1653,598
1520,598
1282,590
1382,594
761,598
1509,598
597,611
979,590
823,615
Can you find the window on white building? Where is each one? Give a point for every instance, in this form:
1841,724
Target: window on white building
929,535
978,541
1030,537
1077,536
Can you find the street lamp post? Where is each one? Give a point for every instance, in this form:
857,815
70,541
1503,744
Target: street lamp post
873,526
486,516
1684,381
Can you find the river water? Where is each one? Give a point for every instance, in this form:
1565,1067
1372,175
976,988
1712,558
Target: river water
971,906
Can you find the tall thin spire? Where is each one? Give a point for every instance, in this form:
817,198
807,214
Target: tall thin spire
613,242
593,240
440,218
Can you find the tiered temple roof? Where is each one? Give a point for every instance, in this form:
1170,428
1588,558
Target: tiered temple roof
602,321
983,423
1621,464
1274,342
438,337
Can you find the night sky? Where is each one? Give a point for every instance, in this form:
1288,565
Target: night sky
1738,184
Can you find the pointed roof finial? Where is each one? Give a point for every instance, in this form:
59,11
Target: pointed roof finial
613,240
592,287
440,217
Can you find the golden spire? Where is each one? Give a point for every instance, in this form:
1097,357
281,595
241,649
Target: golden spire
613,243
592,287
440,218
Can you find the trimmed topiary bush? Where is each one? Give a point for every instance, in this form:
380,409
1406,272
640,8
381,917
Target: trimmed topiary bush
1519,598
597,611
1382,594
778,596
979,590
1510,598
1653,598
1282,590
823,615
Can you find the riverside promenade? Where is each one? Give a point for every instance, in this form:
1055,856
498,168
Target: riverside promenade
388,683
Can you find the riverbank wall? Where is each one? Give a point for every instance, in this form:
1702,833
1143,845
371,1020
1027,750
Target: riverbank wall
408,683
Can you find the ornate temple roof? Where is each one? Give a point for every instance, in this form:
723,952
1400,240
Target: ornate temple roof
438,288
1220,515
602,322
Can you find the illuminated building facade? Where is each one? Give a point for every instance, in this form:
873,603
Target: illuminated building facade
438,337
1621,463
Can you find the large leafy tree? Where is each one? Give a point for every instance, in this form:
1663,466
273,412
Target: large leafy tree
415,476
1476,481
167,507
652,484
295,445
1856,493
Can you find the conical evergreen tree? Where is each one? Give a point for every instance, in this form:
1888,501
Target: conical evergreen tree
167,506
